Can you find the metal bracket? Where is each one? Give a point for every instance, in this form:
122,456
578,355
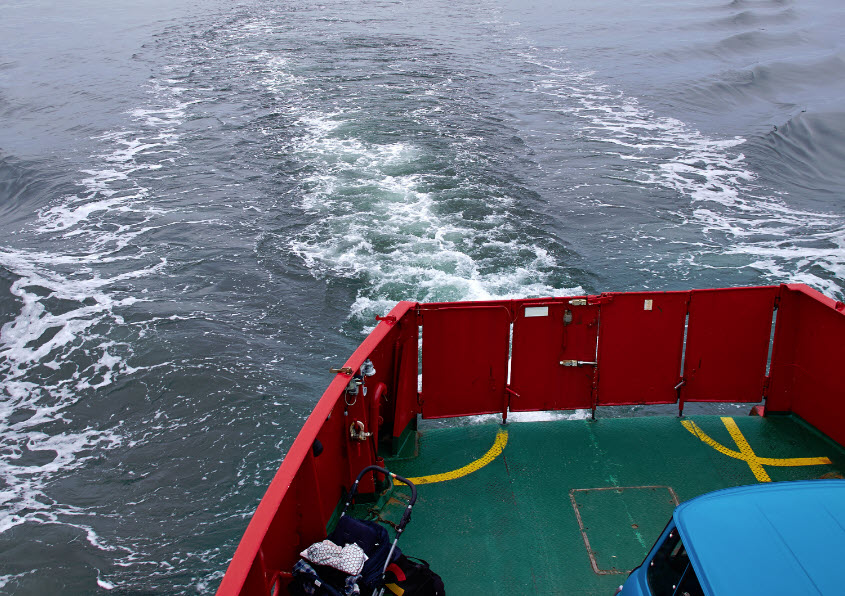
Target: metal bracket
577,363
357,432
346,370
389,319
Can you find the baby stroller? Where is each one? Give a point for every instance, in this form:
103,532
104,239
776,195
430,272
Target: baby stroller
328,569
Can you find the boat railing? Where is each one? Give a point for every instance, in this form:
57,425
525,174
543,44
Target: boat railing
781,345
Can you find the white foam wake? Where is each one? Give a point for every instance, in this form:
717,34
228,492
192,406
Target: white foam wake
59,348
387,230
376,219
755,228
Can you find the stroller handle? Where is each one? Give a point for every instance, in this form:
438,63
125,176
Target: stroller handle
406,515
386,473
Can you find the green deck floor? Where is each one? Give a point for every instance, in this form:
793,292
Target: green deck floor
510,527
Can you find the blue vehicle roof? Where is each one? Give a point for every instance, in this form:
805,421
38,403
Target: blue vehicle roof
780,538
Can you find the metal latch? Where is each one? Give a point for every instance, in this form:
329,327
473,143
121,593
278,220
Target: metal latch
346,370
592,300
577,363
357,433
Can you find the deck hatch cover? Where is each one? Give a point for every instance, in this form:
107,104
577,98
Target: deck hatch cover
619,523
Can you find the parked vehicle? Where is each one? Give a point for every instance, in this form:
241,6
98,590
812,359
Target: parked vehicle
781,538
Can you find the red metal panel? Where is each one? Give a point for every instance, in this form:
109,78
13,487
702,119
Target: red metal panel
641,336
540,343
407,363
335,465
272,524
728,344
464,360
807,372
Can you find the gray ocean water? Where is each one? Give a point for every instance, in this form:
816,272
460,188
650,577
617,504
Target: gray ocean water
202,206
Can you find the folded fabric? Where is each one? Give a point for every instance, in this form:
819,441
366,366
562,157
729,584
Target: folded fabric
349,559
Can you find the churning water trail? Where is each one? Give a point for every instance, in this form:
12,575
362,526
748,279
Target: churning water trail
406,211
384,216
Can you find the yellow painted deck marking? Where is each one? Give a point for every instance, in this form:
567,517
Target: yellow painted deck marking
746,451
747,454
493,453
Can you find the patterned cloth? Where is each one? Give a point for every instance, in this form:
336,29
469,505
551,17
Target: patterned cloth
304,570
350,559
